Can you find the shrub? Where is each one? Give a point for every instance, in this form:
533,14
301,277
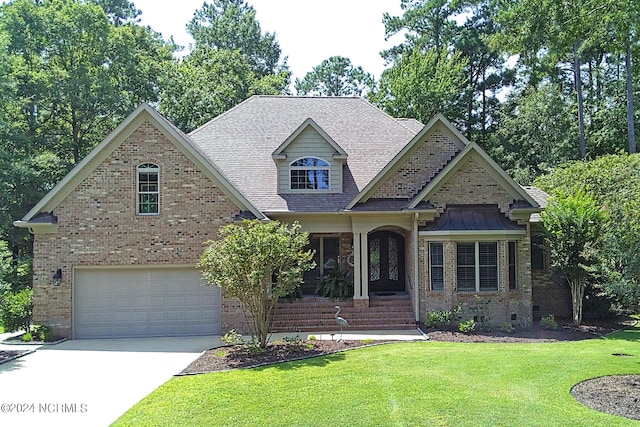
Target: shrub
27,337
335,285
480,310
467,326
293,344
506,327
42,332
549,322
442,318
233,338
16,309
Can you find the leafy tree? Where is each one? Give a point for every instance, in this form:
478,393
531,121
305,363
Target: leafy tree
573,225
614,182
536,133
16,310
422,84
426,24
209,82
119,11
335,76
73,82
553,37
257,263
232,25
231,61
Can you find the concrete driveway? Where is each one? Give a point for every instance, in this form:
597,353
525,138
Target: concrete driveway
90,382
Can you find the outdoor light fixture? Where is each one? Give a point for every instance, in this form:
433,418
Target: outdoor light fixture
57,278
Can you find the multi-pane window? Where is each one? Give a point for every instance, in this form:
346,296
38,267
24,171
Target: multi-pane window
326,250
512,266
148,189
436,256
309,173
477,266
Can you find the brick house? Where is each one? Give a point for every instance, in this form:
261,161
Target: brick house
420,217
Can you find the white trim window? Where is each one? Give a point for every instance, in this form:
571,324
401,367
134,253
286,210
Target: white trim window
148,189
436,258
309,173
477,266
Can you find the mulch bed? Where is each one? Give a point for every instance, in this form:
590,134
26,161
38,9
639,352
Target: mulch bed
618,395
8,355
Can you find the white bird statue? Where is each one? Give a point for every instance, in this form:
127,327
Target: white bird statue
341,321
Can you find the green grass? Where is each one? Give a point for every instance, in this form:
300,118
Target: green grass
403,384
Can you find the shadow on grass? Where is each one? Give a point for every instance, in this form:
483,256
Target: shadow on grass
316,361
626,335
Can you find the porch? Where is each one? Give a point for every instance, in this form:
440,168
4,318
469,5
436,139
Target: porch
314,313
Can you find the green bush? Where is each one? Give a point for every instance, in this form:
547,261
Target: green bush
27,337
335,285
293,344
16,310
506,327
442,318
549,322
42,332
233,338
467,326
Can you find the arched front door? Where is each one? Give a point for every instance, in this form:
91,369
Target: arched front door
386,262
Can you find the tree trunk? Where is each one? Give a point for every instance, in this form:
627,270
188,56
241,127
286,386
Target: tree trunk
578,85
630,119
577,296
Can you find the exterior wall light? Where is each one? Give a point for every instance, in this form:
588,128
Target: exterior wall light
57,278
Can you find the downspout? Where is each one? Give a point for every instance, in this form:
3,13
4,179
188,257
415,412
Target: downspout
416,268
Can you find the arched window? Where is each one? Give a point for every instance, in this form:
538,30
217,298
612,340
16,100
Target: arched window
309,173
148,189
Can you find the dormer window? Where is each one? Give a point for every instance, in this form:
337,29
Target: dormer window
309,173
148,189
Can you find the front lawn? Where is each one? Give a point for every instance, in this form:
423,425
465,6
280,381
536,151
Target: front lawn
421,383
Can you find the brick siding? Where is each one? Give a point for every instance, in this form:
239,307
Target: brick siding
419,168
98,225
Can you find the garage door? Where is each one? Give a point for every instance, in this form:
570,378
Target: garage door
111,303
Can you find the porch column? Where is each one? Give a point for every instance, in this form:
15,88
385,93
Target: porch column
357,267
360,269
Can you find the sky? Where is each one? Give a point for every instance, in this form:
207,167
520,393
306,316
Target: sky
308,31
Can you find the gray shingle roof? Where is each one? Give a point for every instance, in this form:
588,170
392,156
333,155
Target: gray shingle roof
239,143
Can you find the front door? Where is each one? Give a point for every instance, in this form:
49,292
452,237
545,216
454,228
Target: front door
386,262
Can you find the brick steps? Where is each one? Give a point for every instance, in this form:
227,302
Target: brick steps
317,314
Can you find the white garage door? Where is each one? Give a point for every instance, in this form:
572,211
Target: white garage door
158,302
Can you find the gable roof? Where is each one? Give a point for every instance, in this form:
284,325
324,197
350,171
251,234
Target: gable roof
241,141
437,121
88,164
340,153
473,149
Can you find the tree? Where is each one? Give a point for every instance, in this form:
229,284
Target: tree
421,85
231,61
335,76
209,82
536,133
257,263
119,11
554,36
77,75
232,25
573,225
613,181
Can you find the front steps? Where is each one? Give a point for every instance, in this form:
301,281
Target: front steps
313,313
